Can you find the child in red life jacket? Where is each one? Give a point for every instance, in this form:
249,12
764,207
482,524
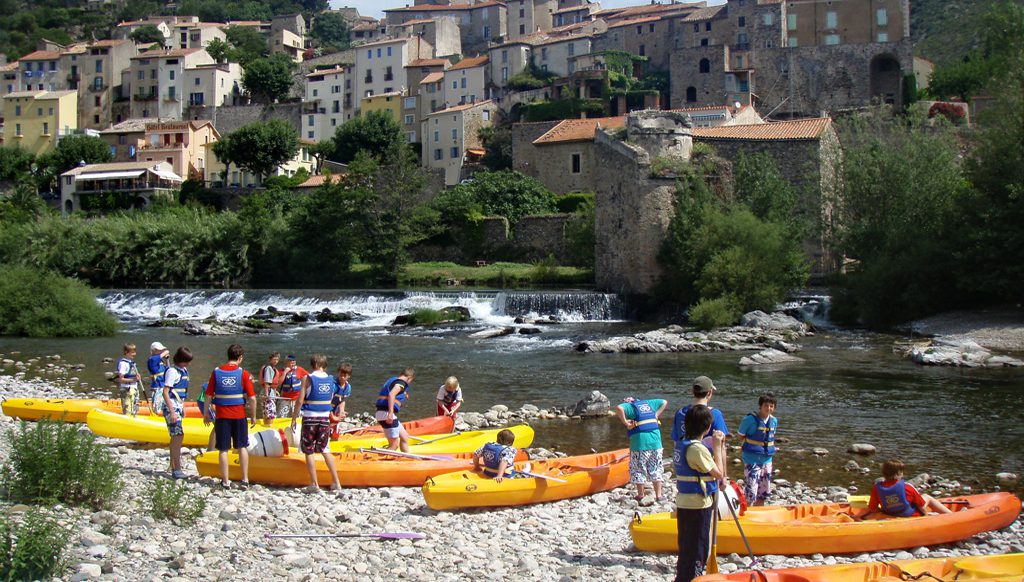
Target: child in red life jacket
891,495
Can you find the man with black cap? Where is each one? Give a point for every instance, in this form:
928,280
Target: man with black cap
703,390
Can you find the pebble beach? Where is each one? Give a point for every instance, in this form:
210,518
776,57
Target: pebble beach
578,539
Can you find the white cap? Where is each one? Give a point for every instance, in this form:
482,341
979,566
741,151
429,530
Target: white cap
156,346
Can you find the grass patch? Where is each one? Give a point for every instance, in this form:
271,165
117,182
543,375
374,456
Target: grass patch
54,462
32,549
38,303
495,275
175,502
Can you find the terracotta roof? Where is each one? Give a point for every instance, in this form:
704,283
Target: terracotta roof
333,71
41,56
137,124
646,10
417,21
443,8
801,129
245,23
103,43
572,130
635,21
366,26
704,13
75,49
317,181
428,63
469,63
572,9
13,94
13,66
432,78
168,53
456,108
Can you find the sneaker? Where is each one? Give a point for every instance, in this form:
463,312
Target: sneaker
243,485
312,490
225,485
177,474
335,488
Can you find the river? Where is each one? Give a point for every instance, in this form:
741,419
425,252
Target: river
959,423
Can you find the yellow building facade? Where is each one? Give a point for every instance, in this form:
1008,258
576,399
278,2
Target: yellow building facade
390,102
36,120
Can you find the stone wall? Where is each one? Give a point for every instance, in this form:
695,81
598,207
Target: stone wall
229,118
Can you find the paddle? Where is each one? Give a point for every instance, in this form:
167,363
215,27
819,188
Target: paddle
539,476
423,441
602,466
712,564
739,527
396,535
389,452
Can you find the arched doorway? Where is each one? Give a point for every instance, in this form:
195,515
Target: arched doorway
691,94
886,79
69,206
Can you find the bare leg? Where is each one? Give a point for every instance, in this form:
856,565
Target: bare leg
176,452
403,437
311,467
222,458
640,491
213,440
935,505
243,460
657,490
329,460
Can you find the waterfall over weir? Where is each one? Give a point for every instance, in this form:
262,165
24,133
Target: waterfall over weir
369,308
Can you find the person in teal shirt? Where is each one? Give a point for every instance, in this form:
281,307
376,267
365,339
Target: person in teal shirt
640,418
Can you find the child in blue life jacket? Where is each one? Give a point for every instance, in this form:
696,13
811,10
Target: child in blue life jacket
645,449
498,458
173,394
127,379
449,397
892,495
757,431
697,477
342,391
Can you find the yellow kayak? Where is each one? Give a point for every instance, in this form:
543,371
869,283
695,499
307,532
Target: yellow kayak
1005,568
153,429
455,442
70,409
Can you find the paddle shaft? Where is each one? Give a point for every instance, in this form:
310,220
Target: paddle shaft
391,453
739,527
712,564
382,535
423,441
539,476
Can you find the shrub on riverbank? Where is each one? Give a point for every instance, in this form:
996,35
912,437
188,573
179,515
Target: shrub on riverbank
54,462
174,501
36,303
32,549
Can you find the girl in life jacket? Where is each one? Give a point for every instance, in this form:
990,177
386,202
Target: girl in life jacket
498,458
893,496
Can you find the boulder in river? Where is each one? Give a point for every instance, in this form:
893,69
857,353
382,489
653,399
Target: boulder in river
492,332
768,357
772,321
327,316
595,404
1007,479
862,449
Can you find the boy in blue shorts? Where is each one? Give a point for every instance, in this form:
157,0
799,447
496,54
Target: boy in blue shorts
229,390
175,390
758,433
389,401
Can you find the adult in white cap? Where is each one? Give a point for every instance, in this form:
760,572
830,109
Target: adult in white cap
157,365
703,390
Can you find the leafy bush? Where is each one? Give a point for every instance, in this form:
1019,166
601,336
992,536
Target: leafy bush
33,549
174,501
667,167
581,237
544,270
56,462
574,201
718,312
506,193
35,303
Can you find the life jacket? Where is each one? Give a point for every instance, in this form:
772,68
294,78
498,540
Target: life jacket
133,370
764,442
646,419
681,416
688,480
319,395
382,398
343,391
227,390
180,388
492,460
894,499
451,397
291,384
157,368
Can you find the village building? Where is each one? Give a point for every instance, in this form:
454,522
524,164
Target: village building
36,120
380,66
466,81
449,134
425,94
442,33
155,81
219,175
100,72
327,101
181,144
479,24
141,182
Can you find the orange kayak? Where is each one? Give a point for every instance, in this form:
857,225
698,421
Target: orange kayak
430,425
569,477
354,469
827,528
72,409
1002,568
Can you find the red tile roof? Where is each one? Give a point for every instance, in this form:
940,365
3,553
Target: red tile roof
317,181
464,107
572,130
428,63
434,77
635,21
704,13
801,129
646,10
443,8
41,56
103,43
327,72
469,63
152,54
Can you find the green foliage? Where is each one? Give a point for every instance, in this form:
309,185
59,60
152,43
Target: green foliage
497,275
217,11
71,151
148,34
525,81
574,201
247,44
429,317
15,163
669,167
375,133
331,29
718,312
761,188
268,79
544,270
219,49
262,146
39,304
506,193
1001,35
174,501
498,144
32,549
580,234
54,462
562,109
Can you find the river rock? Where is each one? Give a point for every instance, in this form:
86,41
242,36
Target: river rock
88,572
1007,479
327,316
851,465
773,322
767,357
595,404
193,328
861,449
529,330
492,332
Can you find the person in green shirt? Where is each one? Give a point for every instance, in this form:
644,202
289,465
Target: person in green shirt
641,420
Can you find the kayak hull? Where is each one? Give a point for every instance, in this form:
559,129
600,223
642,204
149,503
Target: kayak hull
999,568
827,529
354,469
422,426
582,475
71,409
463,442
153,429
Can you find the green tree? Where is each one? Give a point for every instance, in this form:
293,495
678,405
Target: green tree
70,152
507,193
219,49
249,45
262,146
374,133
1001,46
148,34
15,163
498,144
331,29
269,79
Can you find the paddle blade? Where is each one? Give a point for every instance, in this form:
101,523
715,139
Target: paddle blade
396,535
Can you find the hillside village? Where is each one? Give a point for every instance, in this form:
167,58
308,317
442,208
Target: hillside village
744,76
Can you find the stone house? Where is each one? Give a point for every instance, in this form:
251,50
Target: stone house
449,135
507,60
195,34
380,66
213,84
442,33
155,81
181,144
41,70
287,42
100,70
9,78
479,23
126,137
425,94
467,81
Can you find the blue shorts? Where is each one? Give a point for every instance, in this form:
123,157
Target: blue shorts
232,433
393,429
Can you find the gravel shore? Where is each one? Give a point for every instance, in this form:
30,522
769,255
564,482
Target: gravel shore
995,328
578,539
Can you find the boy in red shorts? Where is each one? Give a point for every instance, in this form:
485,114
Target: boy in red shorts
229,390
316,401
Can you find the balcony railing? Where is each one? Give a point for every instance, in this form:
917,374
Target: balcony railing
741,46
145,97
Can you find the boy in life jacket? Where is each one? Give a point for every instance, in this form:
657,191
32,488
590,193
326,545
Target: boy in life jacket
268,375
128,381
758,433
229,390
342,390
498,458
703,390
449,397
174,392
644,430
389,401
290,385
315,402
157,365
697,477
892,495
